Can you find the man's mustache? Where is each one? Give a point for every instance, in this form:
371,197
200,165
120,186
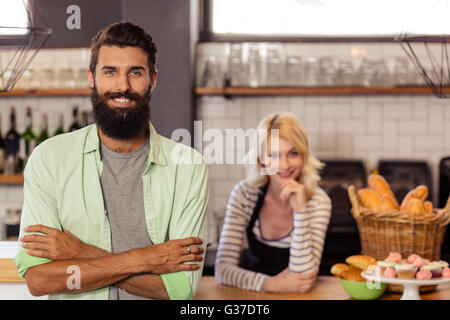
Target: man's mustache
126,94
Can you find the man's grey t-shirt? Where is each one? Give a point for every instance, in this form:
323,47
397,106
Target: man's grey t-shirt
121,182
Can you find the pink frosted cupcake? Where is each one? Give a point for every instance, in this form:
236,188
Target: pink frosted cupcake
419,262
394,257
383,264
424,275
411,258
445,273
434,267
389,273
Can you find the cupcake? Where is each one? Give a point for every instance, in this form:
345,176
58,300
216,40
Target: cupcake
446,273
394,257
406,271
389,273
443,264
424,275
434,267
412,257
383,264
419,262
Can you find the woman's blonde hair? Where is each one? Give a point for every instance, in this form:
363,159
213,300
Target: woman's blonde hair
289,128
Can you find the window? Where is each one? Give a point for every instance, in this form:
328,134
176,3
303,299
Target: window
13,13
333,18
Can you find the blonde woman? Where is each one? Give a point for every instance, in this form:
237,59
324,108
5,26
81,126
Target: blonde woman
275,225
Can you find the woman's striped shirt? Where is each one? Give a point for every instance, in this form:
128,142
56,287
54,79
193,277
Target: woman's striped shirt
305,241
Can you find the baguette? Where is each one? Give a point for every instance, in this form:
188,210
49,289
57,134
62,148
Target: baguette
420,192
369,199
388,204
415,207
428,206
378,184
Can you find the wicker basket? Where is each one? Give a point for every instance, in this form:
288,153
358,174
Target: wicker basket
395,231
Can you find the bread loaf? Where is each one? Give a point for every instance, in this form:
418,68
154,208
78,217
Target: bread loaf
378,184
388,204
369,198
415,207
420,192
428,206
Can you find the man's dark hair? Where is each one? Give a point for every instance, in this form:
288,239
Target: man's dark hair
124,34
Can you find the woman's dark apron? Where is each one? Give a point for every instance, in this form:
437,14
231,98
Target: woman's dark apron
260,257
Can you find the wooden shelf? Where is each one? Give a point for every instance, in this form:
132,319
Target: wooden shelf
14,179
46,92
248,91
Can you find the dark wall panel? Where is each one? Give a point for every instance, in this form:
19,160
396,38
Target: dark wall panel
94,15
168,22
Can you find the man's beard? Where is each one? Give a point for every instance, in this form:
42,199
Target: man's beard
121,123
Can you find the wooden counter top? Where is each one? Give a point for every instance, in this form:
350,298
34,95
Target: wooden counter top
325,288
8,271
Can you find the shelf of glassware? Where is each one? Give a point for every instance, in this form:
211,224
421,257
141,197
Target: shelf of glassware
250,91
12,179
46,92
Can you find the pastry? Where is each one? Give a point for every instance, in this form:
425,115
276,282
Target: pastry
406,271
360,261
434,267
369,199
412,257
389,273
337,268
443,264
378,184
446,273
388,204
383,264
394,257
419,262
352,275
424,275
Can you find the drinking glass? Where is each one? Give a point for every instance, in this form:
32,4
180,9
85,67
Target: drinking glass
345,73
293,71
311,71
212,76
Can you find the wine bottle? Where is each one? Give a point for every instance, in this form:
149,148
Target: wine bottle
60,128
2,150
75,124
84,119
12,143
29,136
43,134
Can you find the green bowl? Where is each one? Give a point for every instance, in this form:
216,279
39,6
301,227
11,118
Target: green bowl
363,290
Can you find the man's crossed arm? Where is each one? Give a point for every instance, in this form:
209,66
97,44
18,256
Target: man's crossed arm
137,271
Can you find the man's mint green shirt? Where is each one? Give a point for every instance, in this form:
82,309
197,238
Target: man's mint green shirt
62,190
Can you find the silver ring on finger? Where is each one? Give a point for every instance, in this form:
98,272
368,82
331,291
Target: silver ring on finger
189,250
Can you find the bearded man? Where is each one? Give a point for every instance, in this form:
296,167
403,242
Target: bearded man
109,212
